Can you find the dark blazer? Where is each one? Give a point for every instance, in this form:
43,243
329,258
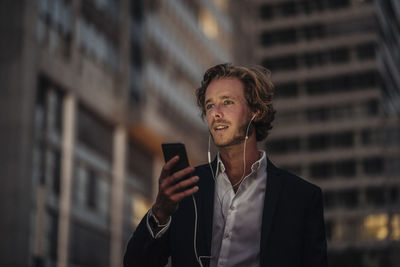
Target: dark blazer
292,235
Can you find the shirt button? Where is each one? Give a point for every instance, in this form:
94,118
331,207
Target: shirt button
232,207
226,235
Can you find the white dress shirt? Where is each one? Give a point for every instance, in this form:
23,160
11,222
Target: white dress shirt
236,232
237,220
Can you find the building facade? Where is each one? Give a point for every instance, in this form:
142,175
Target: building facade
90,90
334,65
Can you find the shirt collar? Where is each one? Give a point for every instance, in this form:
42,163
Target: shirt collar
259,164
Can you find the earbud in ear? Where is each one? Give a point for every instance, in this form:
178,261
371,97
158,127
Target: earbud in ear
252,118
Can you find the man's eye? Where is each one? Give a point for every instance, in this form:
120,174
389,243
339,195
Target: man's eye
228,102
209,106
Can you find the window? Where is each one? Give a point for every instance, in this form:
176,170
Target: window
281,63
136,10
373,165
345,139
345,168
53,170
315,31
89,246
284,145
318,114
95,133
287,9
345,111
289,116
266,12
365,51
372,107
318,142
110,8
55,24
287,36
375,196
329,199
394,195
310,6
55,110
321,170
366,80
283,36
208,23
392,166
98,44
343,83
52,234
56,171
392,135
348,27
346,258
326,141
339,55
348,198
370,136
140,164
286,90
91,191
334,4
136,55
314,59
328,229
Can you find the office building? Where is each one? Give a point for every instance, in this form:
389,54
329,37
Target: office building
335,68
90,89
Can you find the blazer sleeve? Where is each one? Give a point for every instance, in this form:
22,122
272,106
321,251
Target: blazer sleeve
145,251
315,241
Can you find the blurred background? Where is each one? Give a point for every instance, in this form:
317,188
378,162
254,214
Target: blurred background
91,88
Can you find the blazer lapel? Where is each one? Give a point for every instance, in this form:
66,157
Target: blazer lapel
272,192
205,213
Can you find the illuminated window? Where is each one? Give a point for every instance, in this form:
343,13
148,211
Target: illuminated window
376,227
345,230
222,4
140,206
208,24
395,222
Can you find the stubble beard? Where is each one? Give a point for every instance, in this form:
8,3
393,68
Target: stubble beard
237,139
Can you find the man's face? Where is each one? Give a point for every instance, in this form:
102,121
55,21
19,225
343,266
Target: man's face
227,112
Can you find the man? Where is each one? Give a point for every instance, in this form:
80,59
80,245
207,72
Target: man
245,211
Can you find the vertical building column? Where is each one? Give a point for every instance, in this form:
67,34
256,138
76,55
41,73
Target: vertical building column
117,195
67,158
158,164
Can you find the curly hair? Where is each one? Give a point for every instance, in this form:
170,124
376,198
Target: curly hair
258,91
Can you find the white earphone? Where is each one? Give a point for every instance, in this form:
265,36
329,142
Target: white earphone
199,258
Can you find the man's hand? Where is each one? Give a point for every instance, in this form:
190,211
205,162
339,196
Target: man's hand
172,190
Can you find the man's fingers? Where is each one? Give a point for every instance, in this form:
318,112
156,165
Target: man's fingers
188,192
168,166
175,177
183,184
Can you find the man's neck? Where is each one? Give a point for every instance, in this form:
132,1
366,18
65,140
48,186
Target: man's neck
232,157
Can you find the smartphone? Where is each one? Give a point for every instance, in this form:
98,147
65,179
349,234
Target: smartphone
171,150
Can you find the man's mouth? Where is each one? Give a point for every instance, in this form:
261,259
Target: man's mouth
220,127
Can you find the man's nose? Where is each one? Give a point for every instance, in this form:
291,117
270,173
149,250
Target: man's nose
217,112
